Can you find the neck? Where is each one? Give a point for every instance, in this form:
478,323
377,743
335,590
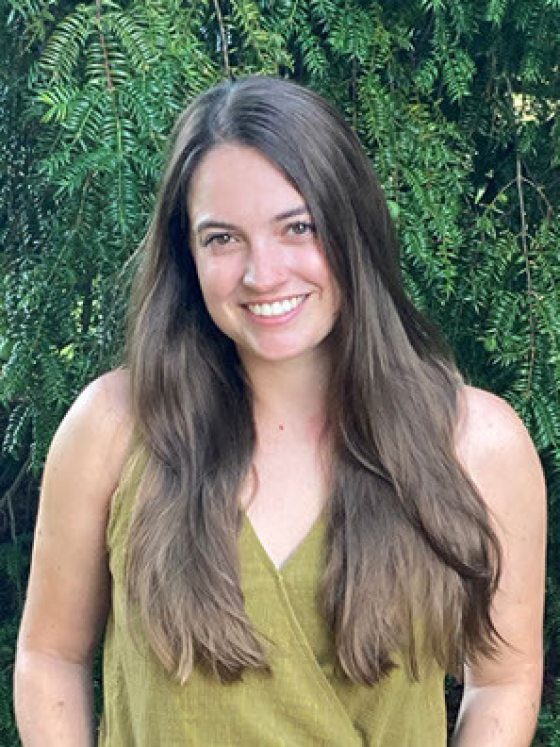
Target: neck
289,395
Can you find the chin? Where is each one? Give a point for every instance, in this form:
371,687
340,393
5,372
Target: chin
278,354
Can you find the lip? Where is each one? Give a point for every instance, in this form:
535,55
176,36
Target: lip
269,321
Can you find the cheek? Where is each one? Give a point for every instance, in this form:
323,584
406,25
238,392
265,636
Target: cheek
322,273
336,296
217,279
332,290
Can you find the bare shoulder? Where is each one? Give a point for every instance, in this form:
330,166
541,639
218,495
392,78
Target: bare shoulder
498,455
93,440
496,449
105,401
484,416
69,588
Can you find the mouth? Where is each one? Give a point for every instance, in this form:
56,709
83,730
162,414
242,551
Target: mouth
275,308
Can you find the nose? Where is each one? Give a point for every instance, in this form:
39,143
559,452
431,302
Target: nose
265,267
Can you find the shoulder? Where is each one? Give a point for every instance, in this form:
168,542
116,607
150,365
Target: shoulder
496,450
497,454
94,437
103,407
69,588
487,421
107,398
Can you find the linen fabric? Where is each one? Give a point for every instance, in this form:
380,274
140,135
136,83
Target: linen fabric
303,702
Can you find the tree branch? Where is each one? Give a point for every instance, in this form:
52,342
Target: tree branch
525,247
354,90
519,179
6,499
103,44
223,37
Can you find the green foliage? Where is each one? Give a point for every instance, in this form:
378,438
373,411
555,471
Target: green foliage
14,561
549,721
104,93
8,633
456,103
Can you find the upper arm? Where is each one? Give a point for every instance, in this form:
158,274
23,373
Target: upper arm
499,457
69,589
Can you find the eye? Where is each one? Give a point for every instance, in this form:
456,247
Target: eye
302,228
218,239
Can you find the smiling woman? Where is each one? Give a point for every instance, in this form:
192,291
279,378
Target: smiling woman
266,282
287,512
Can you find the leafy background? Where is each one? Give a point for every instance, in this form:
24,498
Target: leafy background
458,107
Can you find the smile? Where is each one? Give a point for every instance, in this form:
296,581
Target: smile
276,308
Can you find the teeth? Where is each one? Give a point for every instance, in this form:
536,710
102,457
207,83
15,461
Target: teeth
276,308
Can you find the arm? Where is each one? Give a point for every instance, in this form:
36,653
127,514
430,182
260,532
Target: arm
501,698
69,589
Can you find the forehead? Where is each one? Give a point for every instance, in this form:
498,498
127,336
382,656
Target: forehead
239,183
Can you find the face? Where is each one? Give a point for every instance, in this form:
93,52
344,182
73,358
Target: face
263,273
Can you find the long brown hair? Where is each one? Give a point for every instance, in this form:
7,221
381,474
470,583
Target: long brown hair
409,539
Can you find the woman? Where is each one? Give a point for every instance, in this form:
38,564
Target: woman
289,509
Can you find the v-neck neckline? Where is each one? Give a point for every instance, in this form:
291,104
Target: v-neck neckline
281,570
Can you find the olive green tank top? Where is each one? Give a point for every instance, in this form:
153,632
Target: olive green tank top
303,702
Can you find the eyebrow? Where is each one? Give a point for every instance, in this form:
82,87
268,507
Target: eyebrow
211,223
